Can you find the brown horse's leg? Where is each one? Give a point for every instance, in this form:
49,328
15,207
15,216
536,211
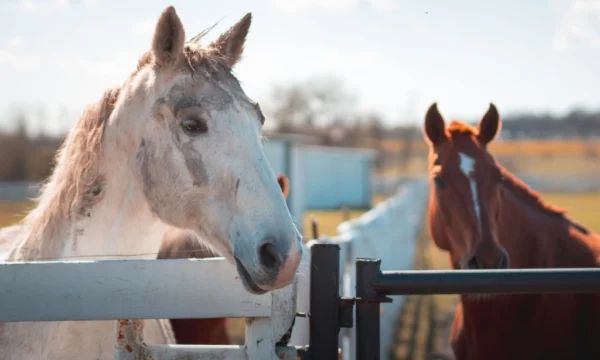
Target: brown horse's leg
457,336
588,346
201,331
179,244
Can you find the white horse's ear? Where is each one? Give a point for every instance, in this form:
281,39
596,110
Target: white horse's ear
231,43
169,38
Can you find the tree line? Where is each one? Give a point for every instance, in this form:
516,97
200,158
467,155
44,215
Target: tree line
323,110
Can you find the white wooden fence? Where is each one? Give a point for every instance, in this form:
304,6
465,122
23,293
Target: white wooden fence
148,289
187,288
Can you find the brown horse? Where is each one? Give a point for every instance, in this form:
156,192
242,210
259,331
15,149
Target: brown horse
486,218
183,244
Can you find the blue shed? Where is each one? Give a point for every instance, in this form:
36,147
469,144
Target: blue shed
321,177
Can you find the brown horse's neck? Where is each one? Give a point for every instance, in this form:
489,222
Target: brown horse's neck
535,234
529,228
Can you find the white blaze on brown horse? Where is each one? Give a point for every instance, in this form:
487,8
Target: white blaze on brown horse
184,244
486,218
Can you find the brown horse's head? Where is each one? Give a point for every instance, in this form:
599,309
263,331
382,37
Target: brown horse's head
465,197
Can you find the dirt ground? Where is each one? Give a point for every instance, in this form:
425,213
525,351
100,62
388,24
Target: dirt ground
424,322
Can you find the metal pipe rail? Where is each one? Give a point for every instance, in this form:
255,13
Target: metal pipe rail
373,286
512,281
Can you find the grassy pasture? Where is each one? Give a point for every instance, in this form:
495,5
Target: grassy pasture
529,156
512,147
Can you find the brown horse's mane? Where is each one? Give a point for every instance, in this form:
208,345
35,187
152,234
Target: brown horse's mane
527,195
519,189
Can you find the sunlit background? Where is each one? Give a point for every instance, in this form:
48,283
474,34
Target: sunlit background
346,74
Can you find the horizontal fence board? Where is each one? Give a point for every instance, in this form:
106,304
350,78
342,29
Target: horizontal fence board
125,289
224,352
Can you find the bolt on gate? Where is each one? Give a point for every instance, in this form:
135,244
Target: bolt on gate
329,312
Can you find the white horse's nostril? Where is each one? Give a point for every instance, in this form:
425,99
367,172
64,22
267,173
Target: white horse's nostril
271,258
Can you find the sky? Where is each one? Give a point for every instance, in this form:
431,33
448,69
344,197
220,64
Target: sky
396,56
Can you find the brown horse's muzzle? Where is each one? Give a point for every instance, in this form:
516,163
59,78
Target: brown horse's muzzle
487,255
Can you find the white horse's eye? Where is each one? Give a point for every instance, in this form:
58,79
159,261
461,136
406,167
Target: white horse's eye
194,126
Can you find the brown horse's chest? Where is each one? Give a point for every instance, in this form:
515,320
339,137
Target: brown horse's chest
526,327
201,331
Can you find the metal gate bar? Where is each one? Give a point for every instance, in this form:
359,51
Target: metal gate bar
367,312
513,281
372,285
324,301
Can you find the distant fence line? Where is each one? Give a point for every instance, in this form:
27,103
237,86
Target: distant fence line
19,190
545,183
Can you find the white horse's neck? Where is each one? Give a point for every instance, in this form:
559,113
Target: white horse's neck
120,225
116,224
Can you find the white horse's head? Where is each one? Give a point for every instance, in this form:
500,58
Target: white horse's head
199,155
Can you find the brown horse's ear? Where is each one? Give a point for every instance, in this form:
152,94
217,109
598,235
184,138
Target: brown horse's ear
435,127
169,38
284,183
489,126
231,43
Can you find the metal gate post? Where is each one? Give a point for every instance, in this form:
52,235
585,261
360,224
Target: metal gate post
367,309
324,301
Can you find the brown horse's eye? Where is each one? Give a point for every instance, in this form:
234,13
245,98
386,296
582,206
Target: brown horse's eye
194,126
439,183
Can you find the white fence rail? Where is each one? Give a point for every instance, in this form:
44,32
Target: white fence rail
125,289
149,289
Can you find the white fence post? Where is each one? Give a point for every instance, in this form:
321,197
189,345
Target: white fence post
263,334
130,341
150,289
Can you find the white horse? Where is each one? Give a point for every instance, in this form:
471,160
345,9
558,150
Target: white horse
177,145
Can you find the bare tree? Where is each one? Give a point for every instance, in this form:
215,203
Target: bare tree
375,130
13,161
313,103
